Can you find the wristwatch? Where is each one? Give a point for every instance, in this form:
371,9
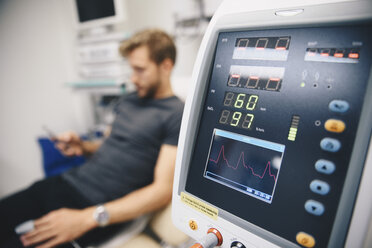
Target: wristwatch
101,216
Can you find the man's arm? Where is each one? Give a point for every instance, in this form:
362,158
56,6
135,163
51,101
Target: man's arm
64,225
150,198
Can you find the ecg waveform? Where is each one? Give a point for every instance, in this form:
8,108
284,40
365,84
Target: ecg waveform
241,158
245,164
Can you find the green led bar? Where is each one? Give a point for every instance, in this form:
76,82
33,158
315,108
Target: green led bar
293,129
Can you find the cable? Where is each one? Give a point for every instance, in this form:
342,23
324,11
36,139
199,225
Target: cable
74,244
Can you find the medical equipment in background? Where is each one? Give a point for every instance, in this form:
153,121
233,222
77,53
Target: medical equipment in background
102,72
192,17
99,14
276,130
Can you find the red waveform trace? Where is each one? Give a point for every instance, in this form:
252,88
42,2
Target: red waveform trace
241,157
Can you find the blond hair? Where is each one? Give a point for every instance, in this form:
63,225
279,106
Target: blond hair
159,43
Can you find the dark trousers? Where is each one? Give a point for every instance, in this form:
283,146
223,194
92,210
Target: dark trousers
39,199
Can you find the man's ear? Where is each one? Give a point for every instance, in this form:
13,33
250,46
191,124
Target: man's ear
167,64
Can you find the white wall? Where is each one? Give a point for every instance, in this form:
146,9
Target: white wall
37,45
36,60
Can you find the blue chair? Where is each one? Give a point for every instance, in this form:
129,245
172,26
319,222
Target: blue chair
54,162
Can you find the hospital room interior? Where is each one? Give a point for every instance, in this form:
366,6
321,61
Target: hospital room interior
274,147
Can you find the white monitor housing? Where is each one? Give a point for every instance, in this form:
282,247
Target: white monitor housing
274,148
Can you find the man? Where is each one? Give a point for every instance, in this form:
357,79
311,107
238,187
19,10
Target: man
129,175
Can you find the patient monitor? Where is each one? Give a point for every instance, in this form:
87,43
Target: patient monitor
274,142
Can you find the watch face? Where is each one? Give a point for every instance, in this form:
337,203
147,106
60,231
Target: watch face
101,216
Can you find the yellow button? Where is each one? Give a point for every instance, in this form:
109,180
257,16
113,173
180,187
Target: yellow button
335,126
193,225
305,239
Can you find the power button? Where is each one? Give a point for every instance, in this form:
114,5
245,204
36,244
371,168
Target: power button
305,239
335,126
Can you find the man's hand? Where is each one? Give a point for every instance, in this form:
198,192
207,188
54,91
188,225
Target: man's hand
58,227
70,144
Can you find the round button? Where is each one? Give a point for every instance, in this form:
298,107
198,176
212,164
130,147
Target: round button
330,145
237,244
319,187
314,207
334,126
325,166
339,106
305,239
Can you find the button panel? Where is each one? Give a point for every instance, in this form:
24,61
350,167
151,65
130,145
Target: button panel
324,166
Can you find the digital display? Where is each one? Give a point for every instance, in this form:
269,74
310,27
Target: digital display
256,77
262,48
241,102
335,55
244,163
236,119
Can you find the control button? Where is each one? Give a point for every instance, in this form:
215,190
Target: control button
237,244
339,106
305,239
193,225
333,125
330,145
325,166
314,207
319,187
218,235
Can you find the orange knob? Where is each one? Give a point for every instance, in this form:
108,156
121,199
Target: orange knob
193,225
218,235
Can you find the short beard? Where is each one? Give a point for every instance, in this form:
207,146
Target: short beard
152,91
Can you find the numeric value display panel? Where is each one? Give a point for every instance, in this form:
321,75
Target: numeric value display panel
238,104
256,77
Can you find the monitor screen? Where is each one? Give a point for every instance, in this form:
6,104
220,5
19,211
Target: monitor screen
244,163
96,13
89,10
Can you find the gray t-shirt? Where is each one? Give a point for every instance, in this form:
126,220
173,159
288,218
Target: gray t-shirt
126,160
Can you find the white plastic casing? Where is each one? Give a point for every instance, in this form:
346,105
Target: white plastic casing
238,15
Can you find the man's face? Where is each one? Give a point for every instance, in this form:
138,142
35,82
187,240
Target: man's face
145,74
